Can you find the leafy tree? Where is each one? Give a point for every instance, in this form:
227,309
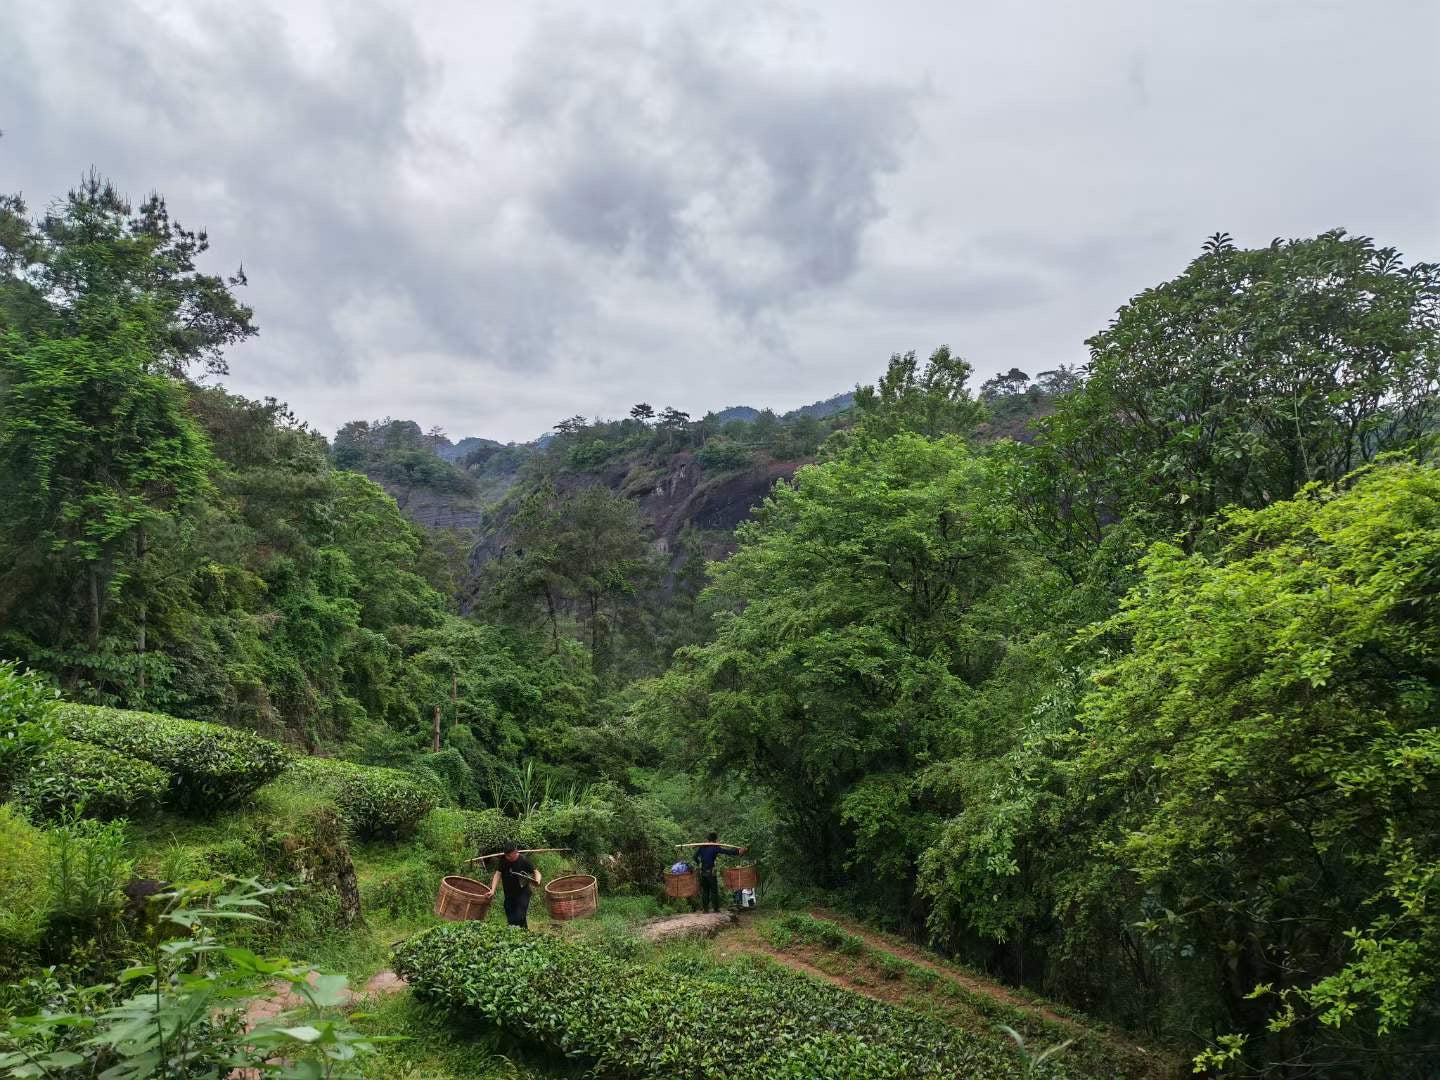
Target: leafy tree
1260,758
96,449
853,631
1008,384
642,413
93,268
929,399
1251,374
1059,380
585,555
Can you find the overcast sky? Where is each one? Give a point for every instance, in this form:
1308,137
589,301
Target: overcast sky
489,216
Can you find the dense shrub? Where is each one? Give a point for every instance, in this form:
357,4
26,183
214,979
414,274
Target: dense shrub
27,724
377,802
723,455
404,892
448,768
88,867
24,883
104,783
210,766
637,1021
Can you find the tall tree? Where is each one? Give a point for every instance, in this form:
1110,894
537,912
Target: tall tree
1251,374
95,449
853,632
93,265
584,555
930,399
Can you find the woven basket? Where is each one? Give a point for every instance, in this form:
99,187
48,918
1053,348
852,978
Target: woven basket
463,898
681,886
571,897
739,877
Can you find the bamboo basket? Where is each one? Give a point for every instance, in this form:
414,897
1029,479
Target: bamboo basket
462,899
739,877
681,886
572,897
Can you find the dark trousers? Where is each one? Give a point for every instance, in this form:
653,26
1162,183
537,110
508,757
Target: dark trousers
709,891
517,906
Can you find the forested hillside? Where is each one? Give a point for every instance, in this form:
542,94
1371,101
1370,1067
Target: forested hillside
1117,686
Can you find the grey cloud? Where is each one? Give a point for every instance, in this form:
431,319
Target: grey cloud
488,218
670,149
299,166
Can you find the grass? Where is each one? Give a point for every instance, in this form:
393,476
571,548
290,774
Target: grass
432,1044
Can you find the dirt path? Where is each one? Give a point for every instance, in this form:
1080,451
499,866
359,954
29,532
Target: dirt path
674,927
747,942
283,999
993,990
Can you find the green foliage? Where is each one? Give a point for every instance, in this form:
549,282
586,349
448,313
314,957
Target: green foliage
1250,767
586,553
723,455
179,1012
813,931
448,768
396,452
27,725
1251,374
89,866
210,766
859,617
624,1018
24,883
376,802
93,262
929,399
103,783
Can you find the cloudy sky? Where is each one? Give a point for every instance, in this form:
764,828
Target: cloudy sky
489,215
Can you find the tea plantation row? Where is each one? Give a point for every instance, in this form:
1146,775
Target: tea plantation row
630,1020
115,763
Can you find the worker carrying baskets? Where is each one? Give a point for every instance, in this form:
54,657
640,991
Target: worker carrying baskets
705,855
518,876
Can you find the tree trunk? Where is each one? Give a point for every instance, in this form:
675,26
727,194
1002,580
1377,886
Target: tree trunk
435,731
140,550
94,608
454,699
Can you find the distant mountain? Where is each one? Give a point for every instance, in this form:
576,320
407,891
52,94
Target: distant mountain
821,409
737,412
456,451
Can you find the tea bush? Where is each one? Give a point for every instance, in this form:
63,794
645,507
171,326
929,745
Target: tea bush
813,931
377,803
104,783
27,724
210,766
638,1021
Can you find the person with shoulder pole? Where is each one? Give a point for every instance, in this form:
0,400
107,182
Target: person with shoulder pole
518,876
706,855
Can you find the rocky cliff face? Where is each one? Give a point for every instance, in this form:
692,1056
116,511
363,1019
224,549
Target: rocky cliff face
686,495
676,495
432,509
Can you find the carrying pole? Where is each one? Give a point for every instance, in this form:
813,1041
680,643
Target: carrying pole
519,851
708,843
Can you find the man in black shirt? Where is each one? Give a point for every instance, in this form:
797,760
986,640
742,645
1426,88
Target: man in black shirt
706,856
517,875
